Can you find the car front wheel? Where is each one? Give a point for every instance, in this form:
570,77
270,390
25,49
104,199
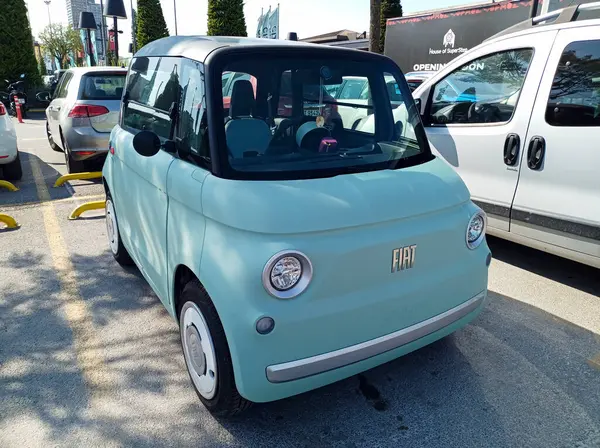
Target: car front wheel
53,145
206,353
114,238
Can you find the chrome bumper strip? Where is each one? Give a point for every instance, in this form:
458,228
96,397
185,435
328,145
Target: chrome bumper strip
302,368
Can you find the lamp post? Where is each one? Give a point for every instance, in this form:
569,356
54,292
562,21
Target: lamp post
88,23
116,10
175,15
47,2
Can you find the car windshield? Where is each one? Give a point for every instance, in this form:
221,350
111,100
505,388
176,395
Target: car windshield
103,86
299,115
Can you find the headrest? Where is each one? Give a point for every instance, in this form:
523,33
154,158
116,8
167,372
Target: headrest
242,99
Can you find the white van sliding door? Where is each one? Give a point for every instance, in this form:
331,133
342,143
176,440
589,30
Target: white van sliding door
558,196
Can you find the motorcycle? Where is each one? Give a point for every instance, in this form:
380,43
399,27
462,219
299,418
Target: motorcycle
16,89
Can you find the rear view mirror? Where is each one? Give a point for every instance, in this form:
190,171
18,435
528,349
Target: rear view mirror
146,143
44,97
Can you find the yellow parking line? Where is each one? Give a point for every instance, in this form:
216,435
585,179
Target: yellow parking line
595,361
86,198
89,355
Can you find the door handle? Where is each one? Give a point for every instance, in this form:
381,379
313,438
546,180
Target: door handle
512,145
535,154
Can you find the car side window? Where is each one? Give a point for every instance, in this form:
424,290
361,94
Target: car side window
575,96
193,124
151,93
485,90
62,89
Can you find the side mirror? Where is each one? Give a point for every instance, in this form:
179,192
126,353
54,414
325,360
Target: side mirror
43,97
146,143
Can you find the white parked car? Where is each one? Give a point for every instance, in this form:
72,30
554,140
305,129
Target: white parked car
10,164
518,117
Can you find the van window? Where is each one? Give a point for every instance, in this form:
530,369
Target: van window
151,94
485,90
193,126
575,96
315,134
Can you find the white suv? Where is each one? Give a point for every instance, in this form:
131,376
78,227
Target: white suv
10,163
518,117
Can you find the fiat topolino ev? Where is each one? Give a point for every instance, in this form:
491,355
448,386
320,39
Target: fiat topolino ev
293,250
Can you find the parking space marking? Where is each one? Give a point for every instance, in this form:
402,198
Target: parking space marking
87,347
595,362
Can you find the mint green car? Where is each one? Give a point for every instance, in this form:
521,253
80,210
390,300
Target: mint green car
293,249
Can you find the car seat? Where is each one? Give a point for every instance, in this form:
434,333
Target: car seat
245,135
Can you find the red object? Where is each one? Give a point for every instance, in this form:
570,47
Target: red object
87,110
111,149
328,144
2,110
85,153
18,107
111,39
3,157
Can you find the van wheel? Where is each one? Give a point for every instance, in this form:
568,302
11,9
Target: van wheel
53,145
13,170
114,238
206,353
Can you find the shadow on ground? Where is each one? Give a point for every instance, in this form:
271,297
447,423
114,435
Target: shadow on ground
567,272
514,377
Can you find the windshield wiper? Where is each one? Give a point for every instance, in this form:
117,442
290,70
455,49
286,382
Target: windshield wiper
329,157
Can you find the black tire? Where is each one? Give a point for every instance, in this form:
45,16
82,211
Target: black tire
73,166
53,145
226,401
13,170
115,243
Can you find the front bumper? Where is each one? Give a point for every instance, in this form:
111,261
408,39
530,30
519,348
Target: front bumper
315,365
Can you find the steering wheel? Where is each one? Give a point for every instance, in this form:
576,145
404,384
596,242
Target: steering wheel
483,113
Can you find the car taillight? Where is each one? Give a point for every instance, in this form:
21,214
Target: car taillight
2,109
87,110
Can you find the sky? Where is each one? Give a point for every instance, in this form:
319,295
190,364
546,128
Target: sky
306,17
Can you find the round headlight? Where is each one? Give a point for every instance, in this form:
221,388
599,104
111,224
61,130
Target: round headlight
476,230
287,274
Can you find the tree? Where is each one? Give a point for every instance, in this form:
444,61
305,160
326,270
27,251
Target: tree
42,66
150,22
59,41
389,10
16,43
226,18
375,29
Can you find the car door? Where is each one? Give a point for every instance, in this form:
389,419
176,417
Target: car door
186,222
558,198
480,105
142,181
56,105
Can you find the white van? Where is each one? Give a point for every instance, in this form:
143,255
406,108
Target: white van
518,117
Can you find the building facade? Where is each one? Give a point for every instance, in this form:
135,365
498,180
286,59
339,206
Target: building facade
74,9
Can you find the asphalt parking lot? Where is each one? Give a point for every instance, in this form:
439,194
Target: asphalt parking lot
89,357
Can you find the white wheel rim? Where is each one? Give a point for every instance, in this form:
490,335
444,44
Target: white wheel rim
199,352
111,227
